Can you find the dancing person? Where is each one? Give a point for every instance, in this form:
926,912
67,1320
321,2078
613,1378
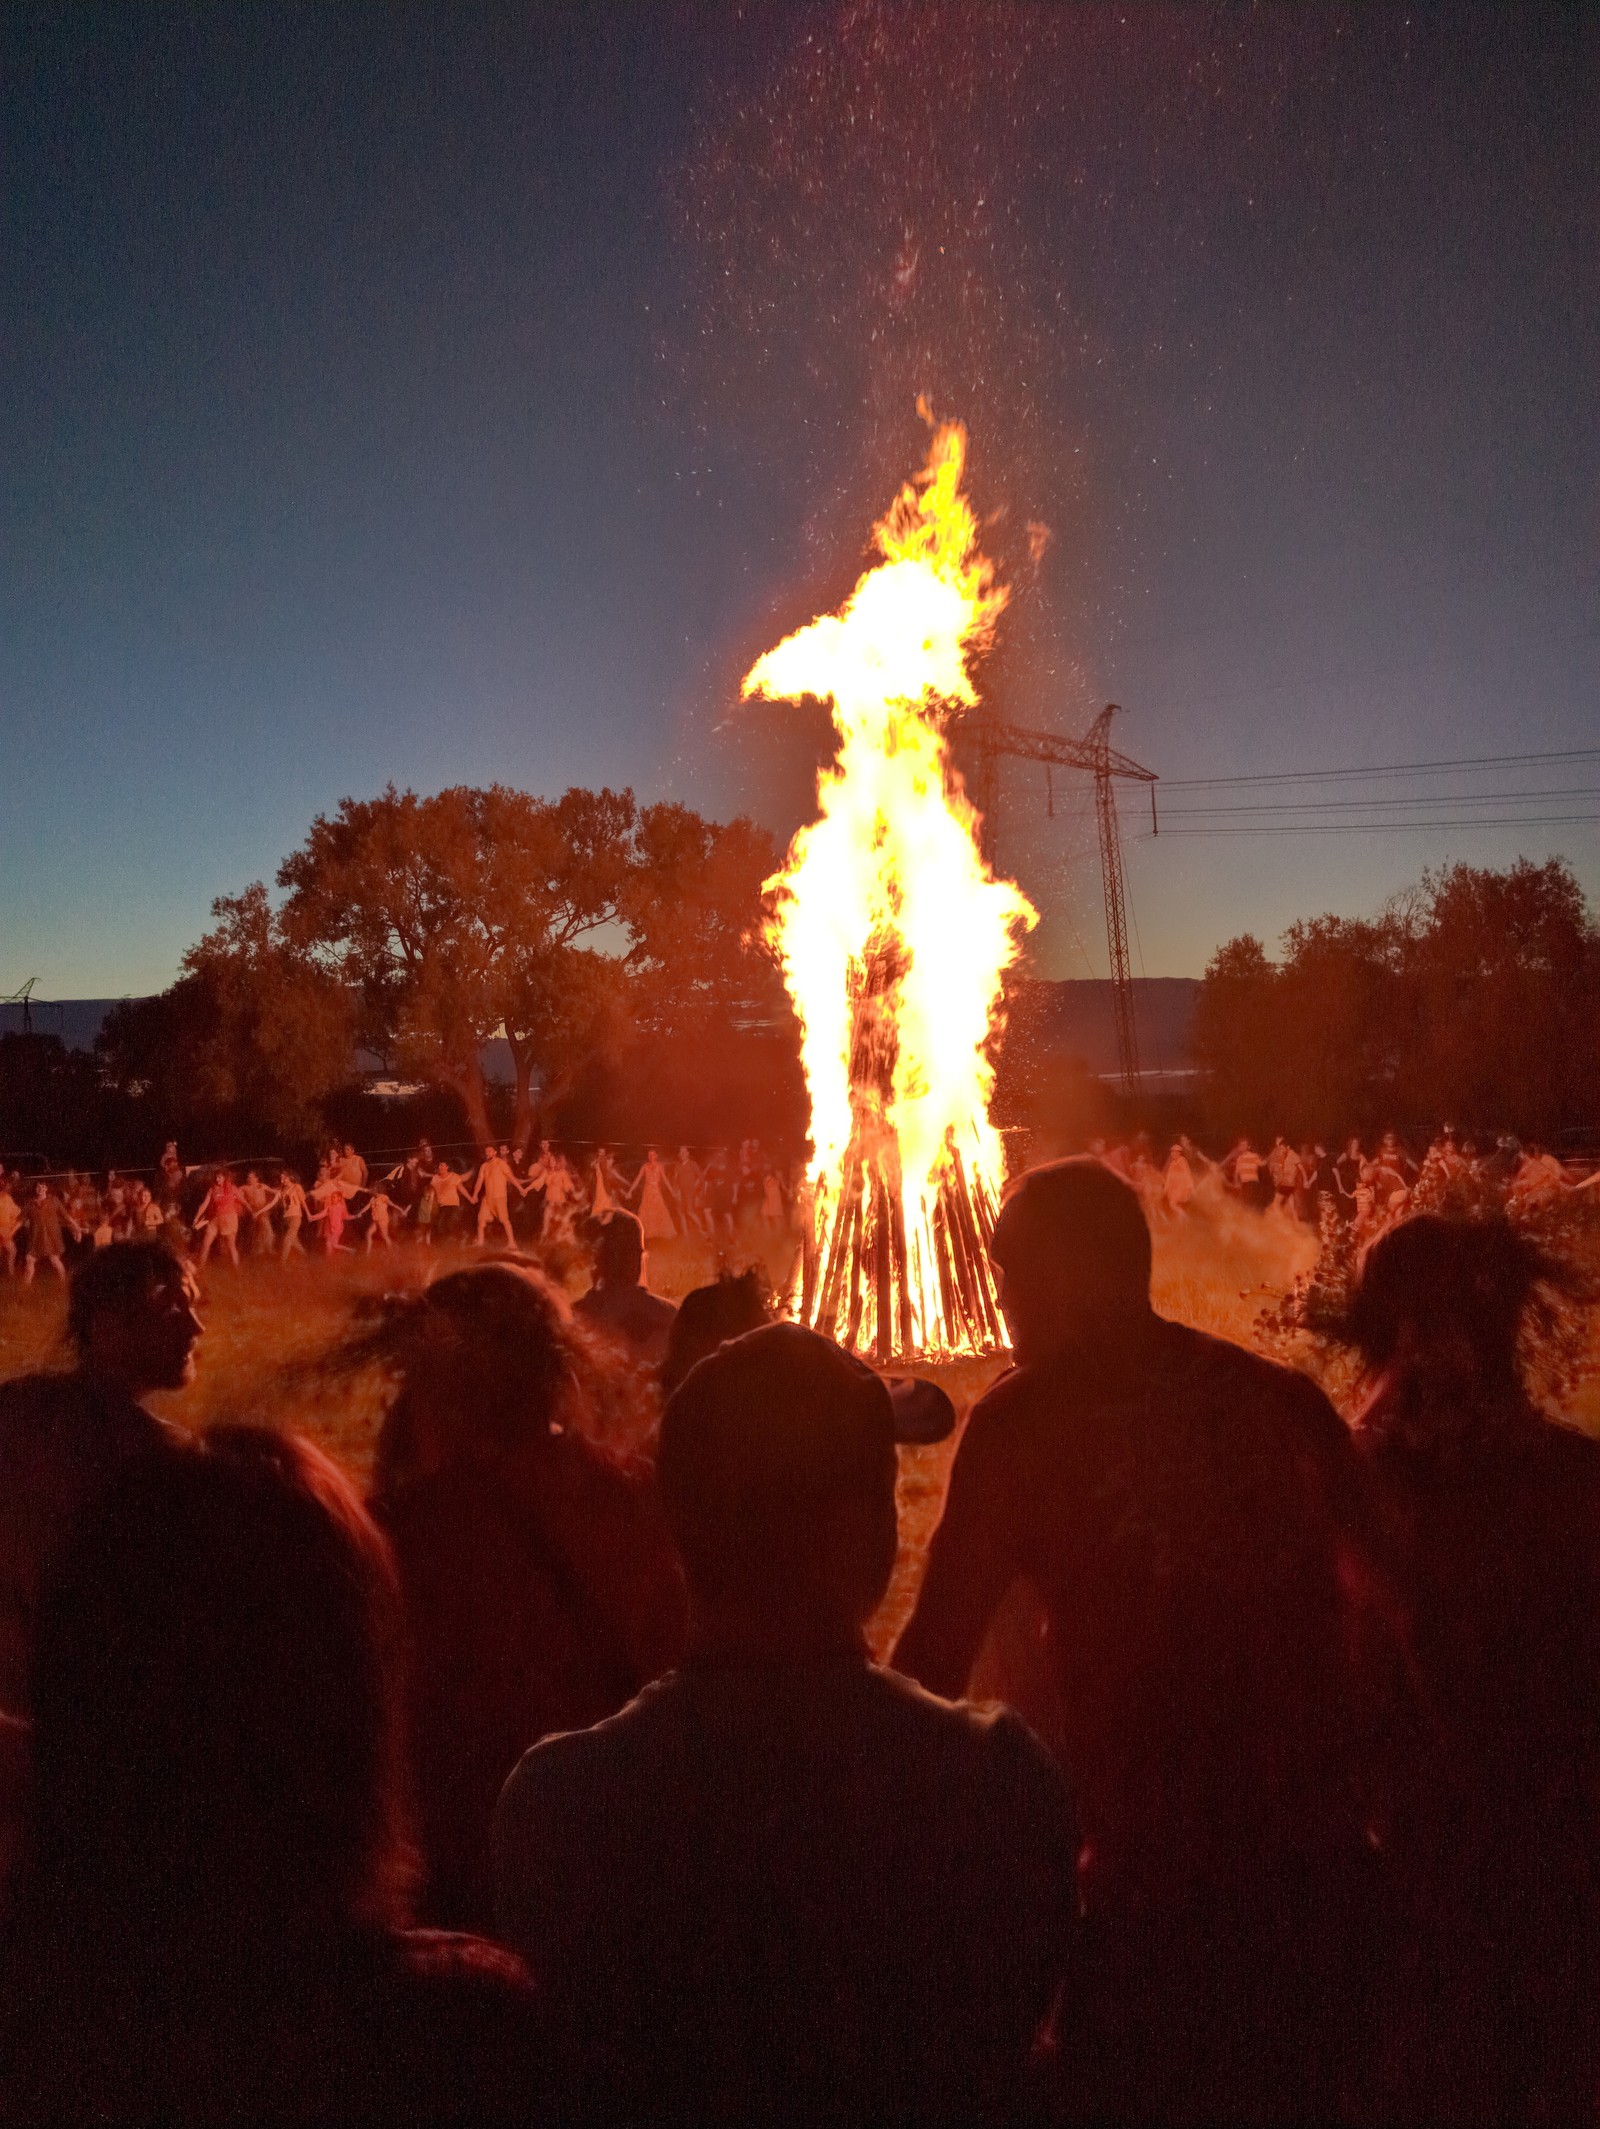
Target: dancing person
147,1218
1146,1180
490,1194
1539,1179
1246,1171
527,1221
10,1221
828,1896
774,1210
747,1182
218,1216
296,1212
1314,1181
349,1167
170,1172
450,1194
381,1209
425,1213
688,1188
1177,1181
1189,1516
133,1326
608,1189
258,1202
1393,1171
649,1187
718,1189
1493,1512
1347,1173
539,1586
82,1205
46,1240
619,1306
1283,1168
331,1198
563,1199
211,1919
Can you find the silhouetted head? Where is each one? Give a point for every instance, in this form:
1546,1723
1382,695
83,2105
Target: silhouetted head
1073,1248
777,1472
215,1704
1440,1312
485,1358
710,1316
619,1250
132,1316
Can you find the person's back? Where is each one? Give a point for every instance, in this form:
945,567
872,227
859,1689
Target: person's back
209,1923
1187,1515
1492,1514
1173,1509
823,1893
776,1892
619,1307
540,1590
535,1601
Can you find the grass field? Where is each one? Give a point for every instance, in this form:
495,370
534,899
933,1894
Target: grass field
265,1321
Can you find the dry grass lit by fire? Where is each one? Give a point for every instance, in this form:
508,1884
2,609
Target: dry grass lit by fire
267,1321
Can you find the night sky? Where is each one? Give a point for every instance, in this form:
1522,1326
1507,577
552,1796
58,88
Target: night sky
447,396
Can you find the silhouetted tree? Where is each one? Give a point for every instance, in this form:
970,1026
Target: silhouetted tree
1475,997
564,925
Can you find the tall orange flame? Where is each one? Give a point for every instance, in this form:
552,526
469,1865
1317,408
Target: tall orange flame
894,936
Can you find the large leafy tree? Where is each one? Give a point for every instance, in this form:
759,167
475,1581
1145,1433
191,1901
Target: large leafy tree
253,1029
561,924
1474,997
1504,981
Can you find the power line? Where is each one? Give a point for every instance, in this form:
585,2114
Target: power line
1510,820
1341,805
1393,768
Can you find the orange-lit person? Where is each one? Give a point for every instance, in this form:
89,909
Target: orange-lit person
688,1187
449,1194
1177,1182
46,1242
380,1209
562,1192
296,1211
258,1202
332,1200
609,1190
218,1215
649,1191
10,1221
490,1193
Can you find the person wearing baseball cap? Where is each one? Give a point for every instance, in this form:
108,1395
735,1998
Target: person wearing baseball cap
784,1883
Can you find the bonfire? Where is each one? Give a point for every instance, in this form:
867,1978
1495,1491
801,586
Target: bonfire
894,937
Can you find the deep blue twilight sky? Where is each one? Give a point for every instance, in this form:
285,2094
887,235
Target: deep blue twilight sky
456,395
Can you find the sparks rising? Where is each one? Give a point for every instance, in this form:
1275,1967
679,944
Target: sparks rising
894,937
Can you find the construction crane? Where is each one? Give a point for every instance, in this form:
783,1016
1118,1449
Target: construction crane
985,740
24,998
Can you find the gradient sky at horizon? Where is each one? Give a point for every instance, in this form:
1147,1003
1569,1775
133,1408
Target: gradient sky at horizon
446,396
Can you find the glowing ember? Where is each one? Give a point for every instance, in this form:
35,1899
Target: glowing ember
894,937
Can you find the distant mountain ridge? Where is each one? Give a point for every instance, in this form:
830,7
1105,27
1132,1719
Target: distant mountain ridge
1075,1019
76,1020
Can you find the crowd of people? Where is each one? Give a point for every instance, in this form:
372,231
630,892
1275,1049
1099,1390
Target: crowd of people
1369,1192
518,1199
496,1195
555,1779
